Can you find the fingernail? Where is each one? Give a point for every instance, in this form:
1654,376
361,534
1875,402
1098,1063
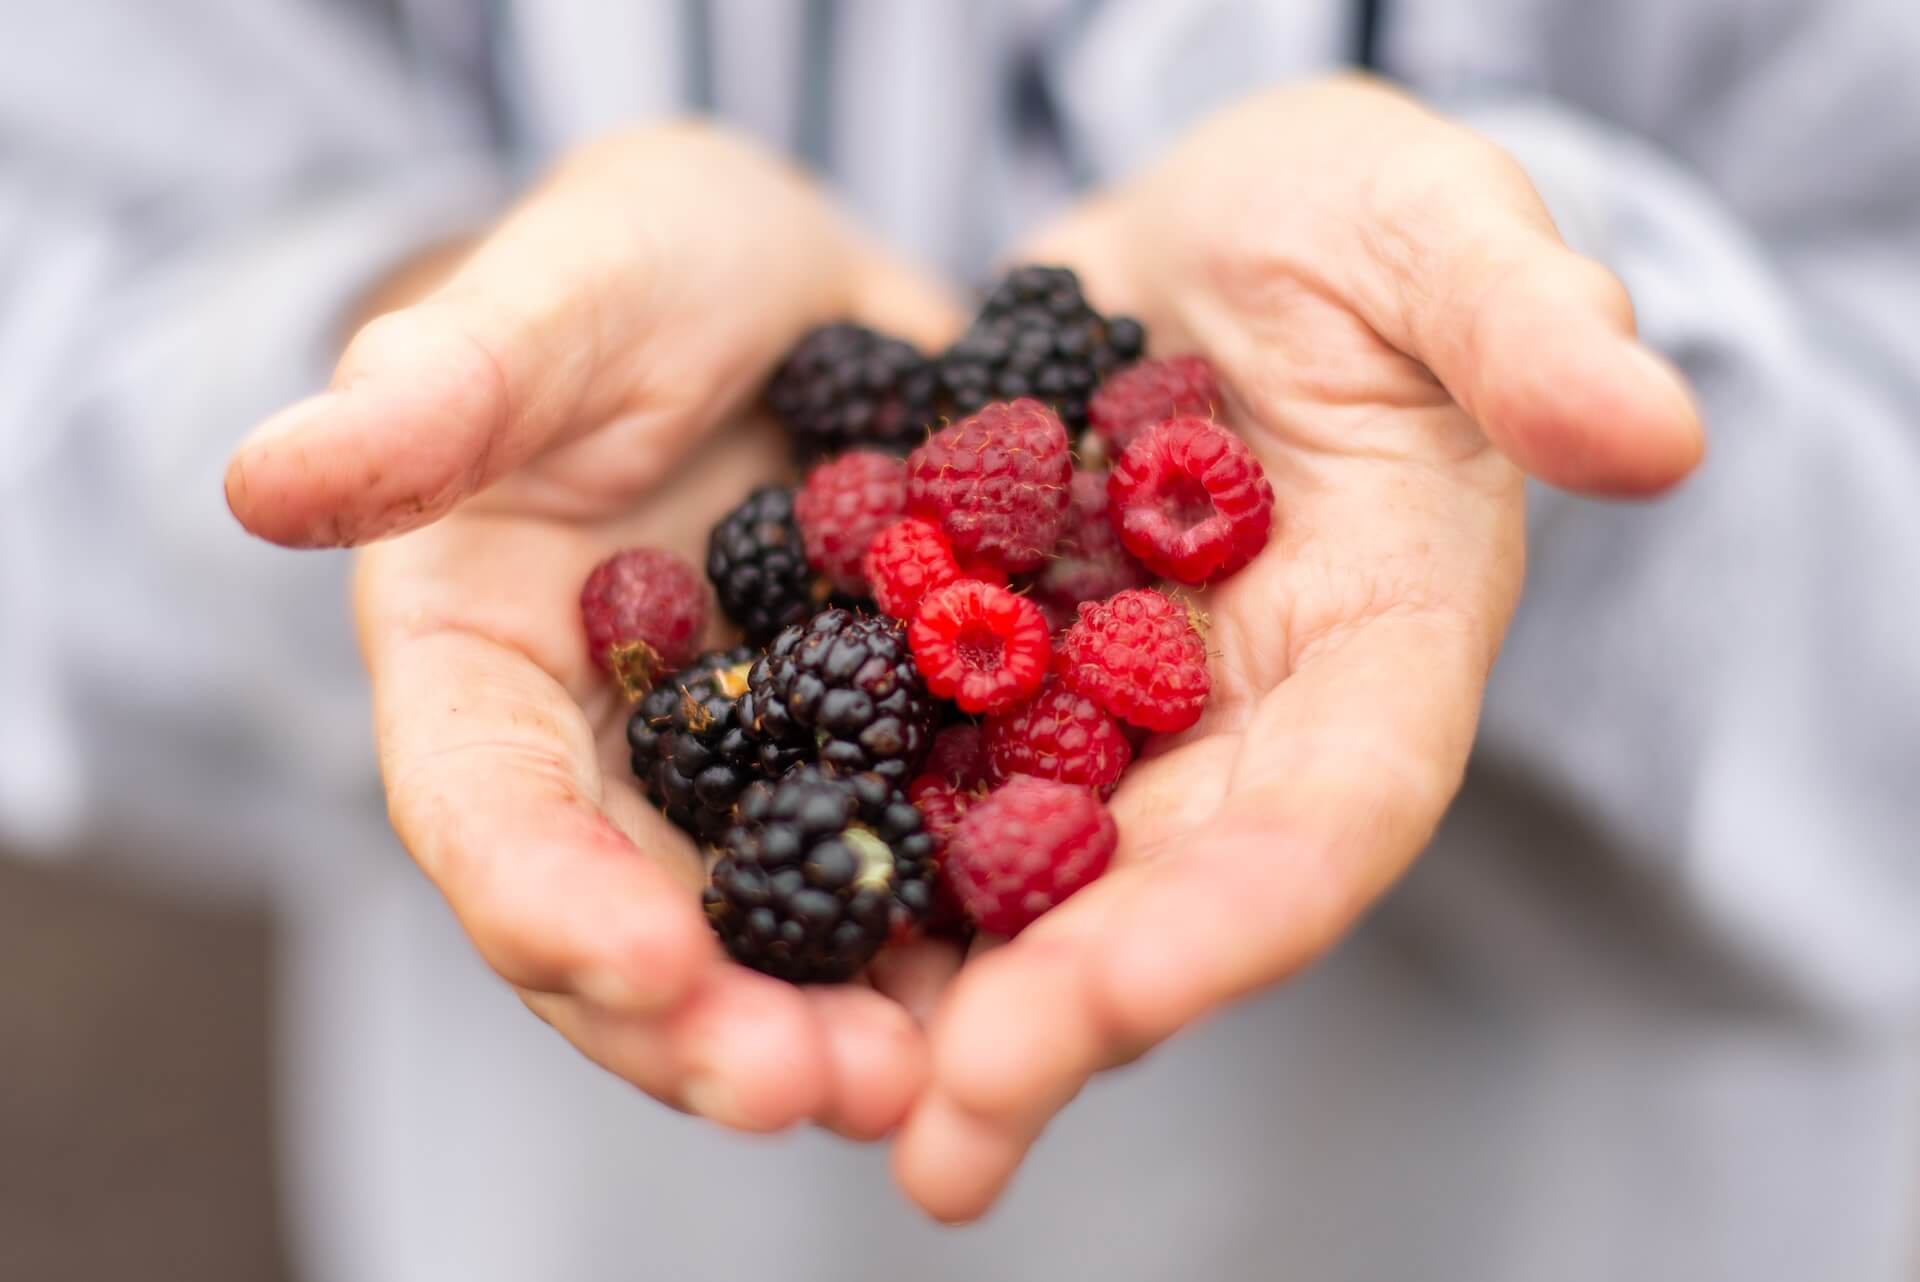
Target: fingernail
712,1099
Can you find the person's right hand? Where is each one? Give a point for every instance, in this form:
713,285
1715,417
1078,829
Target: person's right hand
556,399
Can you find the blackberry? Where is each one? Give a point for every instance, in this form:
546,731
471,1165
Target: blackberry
1036,336
845,386
759,568
842,685
690,750
817,872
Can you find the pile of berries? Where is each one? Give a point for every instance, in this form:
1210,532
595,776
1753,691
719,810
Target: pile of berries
954,641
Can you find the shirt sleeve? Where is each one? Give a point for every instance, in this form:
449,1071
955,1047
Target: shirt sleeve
1724,682
192,199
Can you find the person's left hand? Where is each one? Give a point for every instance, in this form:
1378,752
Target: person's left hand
1397,326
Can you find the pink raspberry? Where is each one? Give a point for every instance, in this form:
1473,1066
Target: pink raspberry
1139,656
996,484
644,610
843,505
1025,849
1152,392
980,645
1191,501
1059,734
1089,563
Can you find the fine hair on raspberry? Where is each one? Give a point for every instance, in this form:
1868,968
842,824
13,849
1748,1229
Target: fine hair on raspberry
1191,501
1139,656
1059,734
996,484
844,503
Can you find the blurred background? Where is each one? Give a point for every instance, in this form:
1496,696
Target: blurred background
135,1127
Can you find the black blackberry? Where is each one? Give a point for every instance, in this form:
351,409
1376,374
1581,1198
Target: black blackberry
759,568
1036,336
842,685
690,750
845,386
817,871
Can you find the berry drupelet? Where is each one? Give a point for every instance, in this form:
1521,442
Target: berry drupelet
1036,336
690,750
842,686
845,386
816,874
758,564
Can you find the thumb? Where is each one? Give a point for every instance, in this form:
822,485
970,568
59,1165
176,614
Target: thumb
1465,272
642,282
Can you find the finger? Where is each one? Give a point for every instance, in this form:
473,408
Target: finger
1461,268
641,282
743,1050
493,786
877,1060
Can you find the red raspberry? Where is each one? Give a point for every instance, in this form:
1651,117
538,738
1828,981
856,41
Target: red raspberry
843,505
644,610
1025,849
996,483
1191,501
1139,656
1152,392
906,561
1059,734
1089,563
959,755
980,645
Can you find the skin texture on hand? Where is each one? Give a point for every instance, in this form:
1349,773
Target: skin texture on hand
1400,333
555,398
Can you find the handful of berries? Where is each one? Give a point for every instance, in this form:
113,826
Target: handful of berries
952,656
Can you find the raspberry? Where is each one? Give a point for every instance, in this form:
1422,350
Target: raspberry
980,645
644,610
996,484
1059,734
844,385
1152,392
1139,656
1089,563
1036,336
843,686
959,756
906,561
818,872
844,503
1025,849
759,567
1191,501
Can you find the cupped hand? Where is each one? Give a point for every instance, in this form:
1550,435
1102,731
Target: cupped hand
1401,335
560,396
